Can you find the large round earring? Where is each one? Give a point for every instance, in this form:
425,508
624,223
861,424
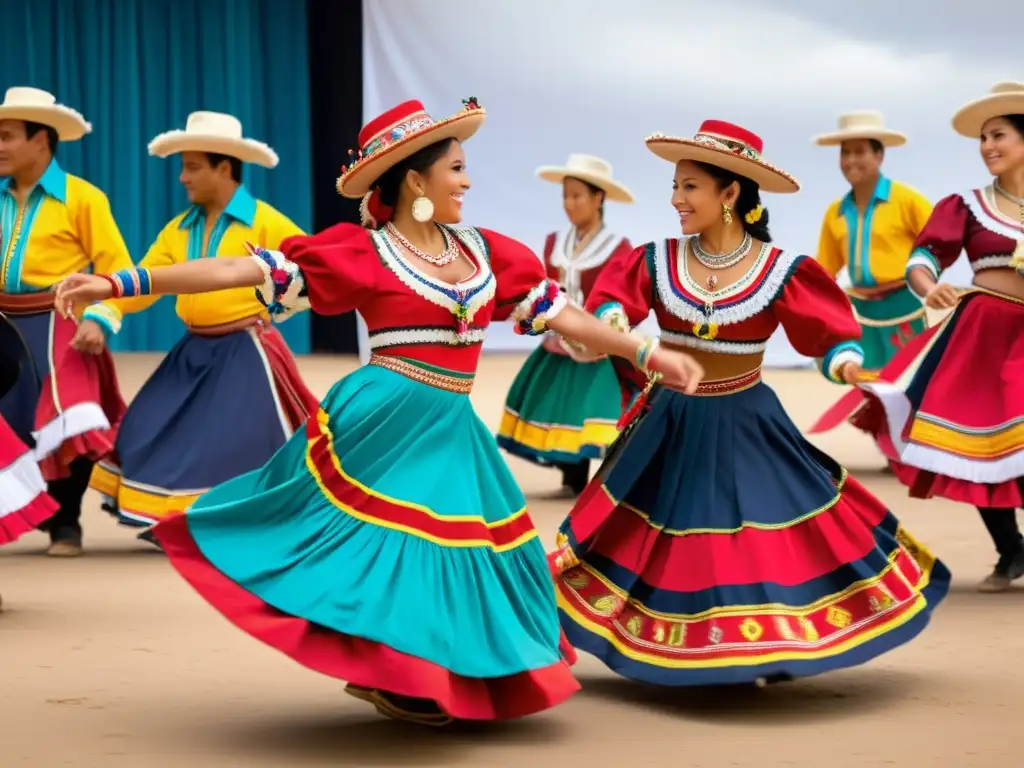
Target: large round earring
422,209
726,215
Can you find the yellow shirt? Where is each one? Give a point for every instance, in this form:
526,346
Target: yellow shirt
65,226
245,219
875,246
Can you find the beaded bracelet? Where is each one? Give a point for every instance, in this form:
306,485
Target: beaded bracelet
130,282
645,352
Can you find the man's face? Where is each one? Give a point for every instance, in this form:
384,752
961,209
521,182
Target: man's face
17,150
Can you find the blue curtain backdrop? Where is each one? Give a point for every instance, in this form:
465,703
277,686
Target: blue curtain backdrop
136,68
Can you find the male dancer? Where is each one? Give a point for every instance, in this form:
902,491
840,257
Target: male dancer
66,401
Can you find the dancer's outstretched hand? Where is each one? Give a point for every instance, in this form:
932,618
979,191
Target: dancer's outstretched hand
80,289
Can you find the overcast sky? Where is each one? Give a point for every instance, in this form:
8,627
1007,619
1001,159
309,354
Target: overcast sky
597,76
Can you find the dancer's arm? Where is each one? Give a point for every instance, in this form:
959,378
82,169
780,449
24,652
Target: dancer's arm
937,247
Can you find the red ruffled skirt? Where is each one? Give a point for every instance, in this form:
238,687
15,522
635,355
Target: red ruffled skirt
24,503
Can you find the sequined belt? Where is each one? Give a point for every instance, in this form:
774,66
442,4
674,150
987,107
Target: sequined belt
26,303
713,387
430,375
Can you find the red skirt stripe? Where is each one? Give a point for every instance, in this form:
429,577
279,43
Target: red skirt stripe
360,661
298,401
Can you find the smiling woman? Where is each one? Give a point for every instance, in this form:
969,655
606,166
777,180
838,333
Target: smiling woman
387,544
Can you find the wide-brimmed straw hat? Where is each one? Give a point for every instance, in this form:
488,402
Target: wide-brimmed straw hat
866,124
400,132
593,170
727,146
213,132
1005,98
35,106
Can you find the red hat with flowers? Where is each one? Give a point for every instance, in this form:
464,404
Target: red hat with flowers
727,146
399,133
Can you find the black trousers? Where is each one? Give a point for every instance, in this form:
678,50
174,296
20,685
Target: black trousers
575,476
68,493
1001,523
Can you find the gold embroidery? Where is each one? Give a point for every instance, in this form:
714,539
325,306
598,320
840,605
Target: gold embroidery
810,631
751,630
784,629
677,635
606,605
705,330
456,384
659,632
577,579
840,618
634,626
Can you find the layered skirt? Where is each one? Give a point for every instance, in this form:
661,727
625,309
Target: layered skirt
24,503
888,323
387,545
718,546
949,411
218,406
560,411
64,403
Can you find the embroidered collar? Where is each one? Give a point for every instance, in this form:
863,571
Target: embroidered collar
241,208
883,189
53,182
595,253
477,291
680,294
982,205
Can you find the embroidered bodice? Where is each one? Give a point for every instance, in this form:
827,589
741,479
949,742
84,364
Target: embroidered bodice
407,312
971,222
576,271
779,289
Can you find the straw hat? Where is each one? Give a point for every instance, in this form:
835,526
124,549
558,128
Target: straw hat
399,133
35,106
590,169
726,146
213,132
866,124
1005,98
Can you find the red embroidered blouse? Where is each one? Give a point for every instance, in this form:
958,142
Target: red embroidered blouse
577,272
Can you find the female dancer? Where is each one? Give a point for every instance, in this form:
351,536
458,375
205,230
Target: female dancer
562,410
24,503
949,412
388,545
716,545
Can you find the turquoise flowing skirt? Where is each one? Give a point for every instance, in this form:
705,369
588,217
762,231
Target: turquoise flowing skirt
387,545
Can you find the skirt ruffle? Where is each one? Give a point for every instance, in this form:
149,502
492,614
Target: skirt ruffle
718,546
24,503
65,403
951,415
389,546
560,411
240,392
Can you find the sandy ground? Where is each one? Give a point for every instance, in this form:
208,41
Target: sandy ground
112,660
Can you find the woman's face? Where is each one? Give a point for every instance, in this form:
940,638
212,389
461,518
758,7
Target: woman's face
445,183
697,198
582,204
1002,146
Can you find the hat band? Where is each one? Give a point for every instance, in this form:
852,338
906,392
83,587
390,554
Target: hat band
729,145
395,134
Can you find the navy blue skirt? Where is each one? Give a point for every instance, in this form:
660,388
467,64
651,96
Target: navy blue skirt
716,545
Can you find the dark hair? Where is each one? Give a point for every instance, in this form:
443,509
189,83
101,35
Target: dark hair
877,147
391,180
236,164
31,129
1017,121
594,190
749,198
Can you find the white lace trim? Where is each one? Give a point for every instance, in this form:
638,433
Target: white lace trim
751,306
987,219
992,262
401,337
21,483
71,422
713,345
595,253
433,290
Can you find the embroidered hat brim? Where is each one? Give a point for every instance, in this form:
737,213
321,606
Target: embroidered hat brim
247,150
764,174
362,175
887,137
615,192
69,124
971,118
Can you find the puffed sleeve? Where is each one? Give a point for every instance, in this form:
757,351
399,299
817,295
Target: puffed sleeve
524,293
621,295
331,272
818,318
941,240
